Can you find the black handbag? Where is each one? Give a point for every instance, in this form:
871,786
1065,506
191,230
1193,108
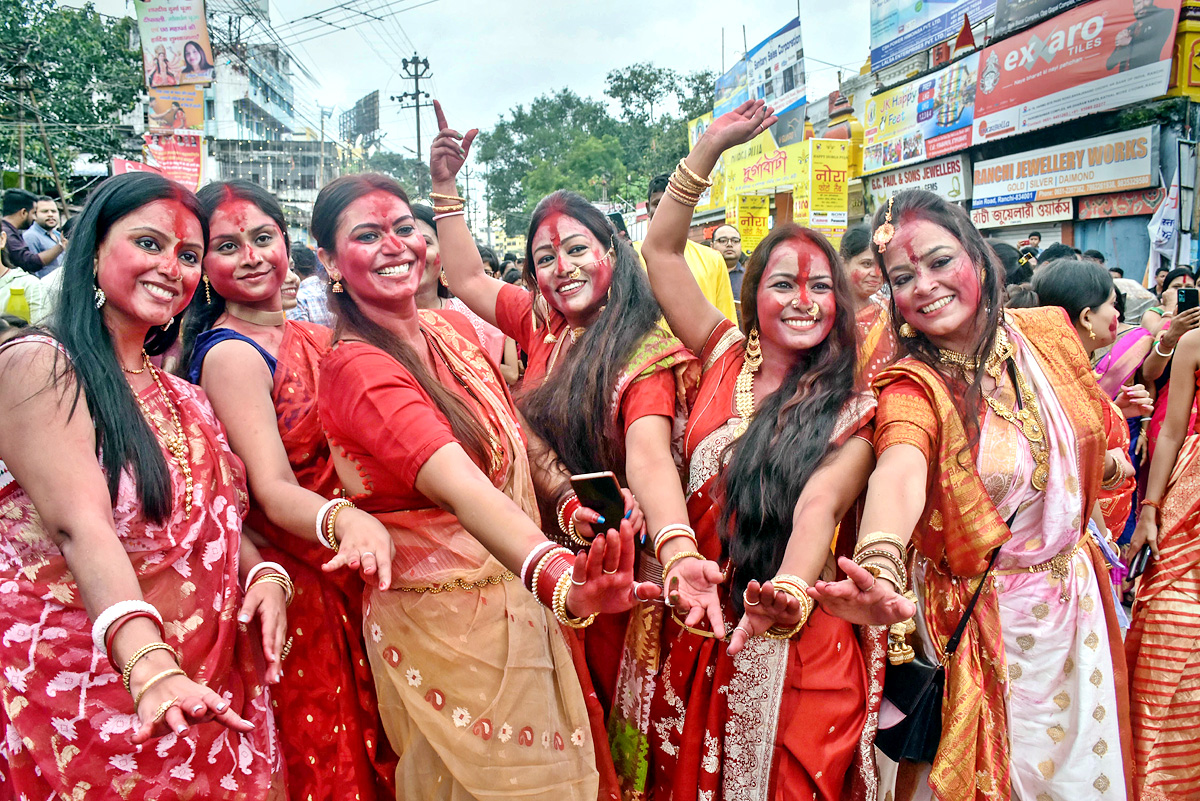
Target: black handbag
915,688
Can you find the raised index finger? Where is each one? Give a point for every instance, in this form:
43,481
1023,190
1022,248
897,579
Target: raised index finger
441,116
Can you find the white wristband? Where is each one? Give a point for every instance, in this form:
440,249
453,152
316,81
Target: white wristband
114,613
321,521
260,567
444,215
1160,353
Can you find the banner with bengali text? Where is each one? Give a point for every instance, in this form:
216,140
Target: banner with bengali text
176,108
1023,213
901,28
752,219
829,173
175,45
714,196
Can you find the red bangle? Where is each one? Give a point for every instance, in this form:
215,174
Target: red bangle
548,578
531,561
111,634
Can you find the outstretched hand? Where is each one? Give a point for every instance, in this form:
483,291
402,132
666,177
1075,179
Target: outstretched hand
602,580
765,607
740,125
861,598
449,150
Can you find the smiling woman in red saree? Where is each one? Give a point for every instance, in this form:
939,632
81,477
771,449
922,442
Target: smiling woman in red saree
260,371
778,450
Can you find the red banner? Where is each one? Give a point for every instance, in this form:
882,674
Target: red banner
1094,57
121,166
1121,204
177,156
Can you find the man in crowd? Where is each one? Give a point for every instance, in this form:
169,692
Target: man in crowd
27,301
17,209
1035,242
312,304
43,234
728,242
705,264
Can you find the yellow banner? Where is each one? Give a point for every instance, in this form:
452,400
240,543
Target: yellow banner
761,166
828,187
714,196
753,220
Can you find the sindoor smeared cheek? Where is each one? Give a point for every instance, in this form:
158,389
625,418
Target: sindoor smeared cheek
965,277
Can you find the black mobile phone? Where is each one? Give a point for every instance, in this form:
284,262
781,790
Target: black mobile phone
1140,562
1188,297
601,493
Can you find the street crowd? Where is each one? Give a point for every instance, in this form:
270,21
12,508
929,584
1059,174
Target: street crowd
911,518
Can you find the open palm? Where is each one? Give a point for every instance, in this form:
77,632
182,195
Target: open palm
741,125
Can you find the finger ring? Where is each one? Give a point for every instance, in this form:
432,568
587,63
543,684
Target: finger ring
609,572
746,601
577,583
161,712
742,630
635,593
287,649
365,554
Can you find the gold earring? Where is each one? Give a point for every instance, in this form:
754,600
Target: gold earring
207,291
884,233
1091,333
753,350
442,278
907,331
336,285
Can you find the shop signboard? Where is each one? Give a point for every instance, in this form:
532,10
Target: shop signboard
1037,211
949,177
1110,163
775,69
922,119
1013,15
900,28
1091,58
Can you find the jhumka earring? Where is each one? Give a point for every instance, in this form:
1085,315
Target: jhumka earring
907,331
336,285
884,233
753,350
442,279
1087,324
207,291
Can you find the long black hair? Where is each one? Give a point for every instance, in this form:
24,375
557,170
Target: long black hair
789,437
207,304
917,204
570,411
122,433
335,196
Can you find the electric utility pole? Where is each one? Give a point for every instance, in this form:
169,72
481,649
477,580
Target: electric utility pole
416,69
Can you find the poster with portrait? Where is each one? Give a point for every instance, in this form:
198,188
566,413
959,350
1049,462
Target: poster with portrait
175,45
176,108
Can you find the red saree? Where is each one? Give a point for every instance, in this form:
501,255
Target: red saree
67,718
785,719
876,343
325,704
1161,645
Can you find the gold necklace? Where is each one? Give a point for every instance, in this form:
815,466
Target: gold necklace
743,389
255,316
176,441
1001,352
1028,420
145,361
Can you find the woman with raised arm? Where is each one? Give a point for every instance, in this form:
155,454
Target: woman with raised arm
260,372
478,686
1161,646
778,449
991,451
121,549
606,386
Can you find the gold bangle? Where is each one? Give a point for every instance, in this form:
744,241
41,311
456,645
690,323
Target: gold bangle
330,521
877,537
879,553
451,198
289,589
686,170
681,555
560,605
127,671
793,586
137,699
886,573
448,209
679,197
567,525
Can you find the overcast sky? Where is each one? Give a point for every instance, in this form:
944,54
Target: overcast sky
487,56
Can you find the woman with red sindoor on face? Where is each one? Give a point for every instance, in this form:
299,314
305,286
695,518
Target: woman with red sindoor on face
778,450
260,372
606,387
991,447
478,684
133,658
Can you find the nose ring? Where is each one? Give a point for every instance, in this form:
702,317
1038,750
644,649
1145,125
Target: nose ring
814,311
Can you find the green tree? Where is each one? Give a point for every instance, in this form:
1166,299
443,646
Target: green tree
695,93
83,73
638,88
